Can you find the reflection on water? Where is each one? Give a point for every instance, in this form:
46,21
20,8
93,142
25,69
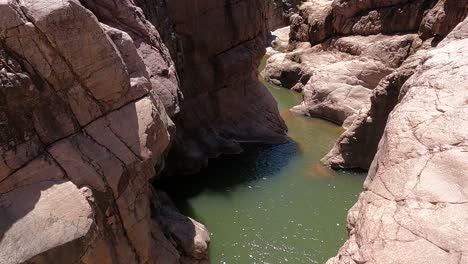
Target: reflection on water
274,204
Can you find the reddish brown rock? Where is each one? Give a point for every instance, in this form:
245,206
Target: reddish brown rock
380,36
88,92
337,76
409,129
40,217
277,12
80,109
225,104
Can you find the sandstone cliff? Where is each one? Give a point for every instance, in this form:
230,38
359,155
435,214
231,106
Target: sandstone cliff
91,103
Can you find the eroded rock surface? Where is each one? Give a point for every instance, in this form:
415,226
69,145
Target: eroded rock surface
341,50
357,146
85,95
225,104
414,206
389,72
88,94
337,77
278,12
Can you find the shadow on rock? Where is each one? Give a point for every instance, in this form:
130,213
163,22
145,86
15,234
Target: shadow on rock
230,171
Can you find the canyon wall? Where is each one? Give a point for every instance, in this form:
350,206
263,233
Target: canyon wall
218,47
414,205
350,59
92,101
394,73
225,104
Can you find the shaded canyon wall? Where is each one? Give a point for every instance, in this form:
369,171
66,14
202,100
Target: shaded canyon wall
92,100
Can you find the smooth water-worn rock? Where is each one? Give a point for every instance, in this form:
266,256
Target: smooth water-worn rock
337,77
413,209
357,146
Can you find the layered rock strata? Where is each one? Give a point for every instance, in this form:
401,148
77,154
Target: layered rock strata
88,95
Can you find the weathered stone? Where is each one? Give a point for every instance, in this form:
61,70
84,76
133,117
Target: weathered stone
357,146
442,18
414,206
38,217
277,12
224,104
87,92
337,77
42,168
313,23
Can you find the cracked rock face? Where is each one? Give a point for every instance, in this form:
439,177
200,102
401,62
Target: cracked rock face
337,77
414,206
388,71
224,103
92,100
340,50
84,103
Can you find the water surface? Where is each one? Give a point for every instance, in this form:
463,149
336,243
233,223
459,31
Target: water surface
274,204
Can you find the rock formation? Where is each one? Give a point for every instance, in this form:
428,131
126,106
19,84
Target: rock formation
388,71
350,58
91,103
414,206
225,104
278,12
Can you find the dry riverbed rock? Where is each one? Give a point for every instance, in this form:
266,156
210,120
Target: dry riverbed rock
339,51
337,77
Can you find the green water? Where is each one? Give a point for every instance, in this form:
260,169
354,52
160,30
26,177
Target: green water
274,204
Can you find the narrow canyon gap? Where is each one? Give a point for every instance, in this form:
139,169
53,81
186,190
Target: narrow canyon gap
104,102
